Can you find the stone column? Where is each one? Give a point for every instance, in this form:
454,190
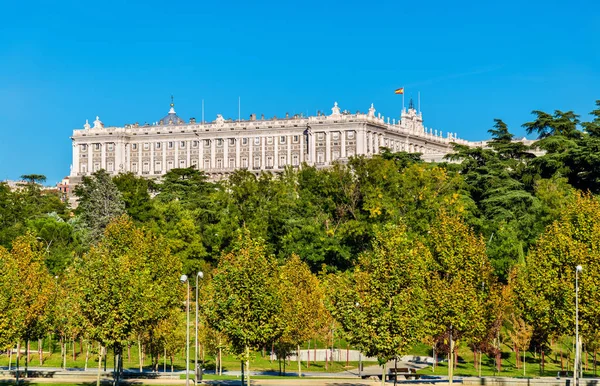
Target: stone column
289,149
328,147
313,149
90,168
119,162
359,135
176,162
103,156
237,153
188,149
343,138
226,153
151,169
250,153
75,166
163,167
276,152
213,153
201,154
140,149
301,158
263,152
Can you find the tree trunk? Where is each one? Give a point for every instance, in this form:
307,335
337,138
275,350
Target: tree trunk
10,357
347,355
562,365
99,365
74,356
299,360
451,360
248,365
41,350
171,363
383,371
27,358
140,354
18,355
308,355
87,354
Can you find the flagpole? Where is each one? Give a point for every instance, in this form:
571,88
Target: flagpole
419,101
403,92
202,111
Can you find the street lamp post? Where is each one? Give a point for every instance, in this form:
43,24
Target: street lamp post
578,269
184,279
200,275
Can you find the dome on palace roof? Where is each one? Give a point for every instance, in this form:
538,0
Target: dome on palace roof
171,118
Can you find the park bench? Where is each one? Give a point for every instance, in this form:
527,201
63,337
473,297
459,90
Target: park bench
407,372
563,373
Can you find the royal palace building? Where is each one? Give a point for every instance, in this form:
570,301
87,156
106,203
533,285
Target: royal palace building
222,146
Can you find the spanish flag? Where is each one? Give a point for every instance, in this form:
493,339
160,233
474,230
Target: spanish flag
399,90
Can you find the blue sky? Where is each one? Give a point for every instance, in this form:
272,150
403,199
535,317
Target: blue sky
472,61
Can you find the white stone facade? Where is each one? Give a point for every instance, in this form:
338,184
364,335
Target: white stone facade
222,146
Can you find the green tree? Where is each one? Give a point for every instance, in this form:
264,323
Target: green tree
135,192
129,282
303,309
545,286
99,202
459,283
244,297
381,305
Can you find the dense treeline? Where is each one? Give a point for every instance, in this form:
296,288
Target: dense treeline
391,249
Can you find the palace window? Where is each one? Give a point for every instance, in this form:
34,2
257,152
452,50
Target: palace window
206,142
296,138
169,165
350,134
269,162
134,167
282,161
335,136
336,155
110,167
320,158
282,139
96,166
351,153
256,162
320,136
295,160
244,141
157,145
146,146
97,146
231,163
146,167
157,166
219,142
182,145
195,144
83,168
171,144
206,164
257,140
269,140
195,163
111,147
83,147
182,163
244,162
219,163
134,146
231,141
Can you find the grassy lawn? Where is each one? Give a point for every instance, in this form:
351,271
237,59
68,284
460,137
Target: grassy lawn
130,360
466,367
